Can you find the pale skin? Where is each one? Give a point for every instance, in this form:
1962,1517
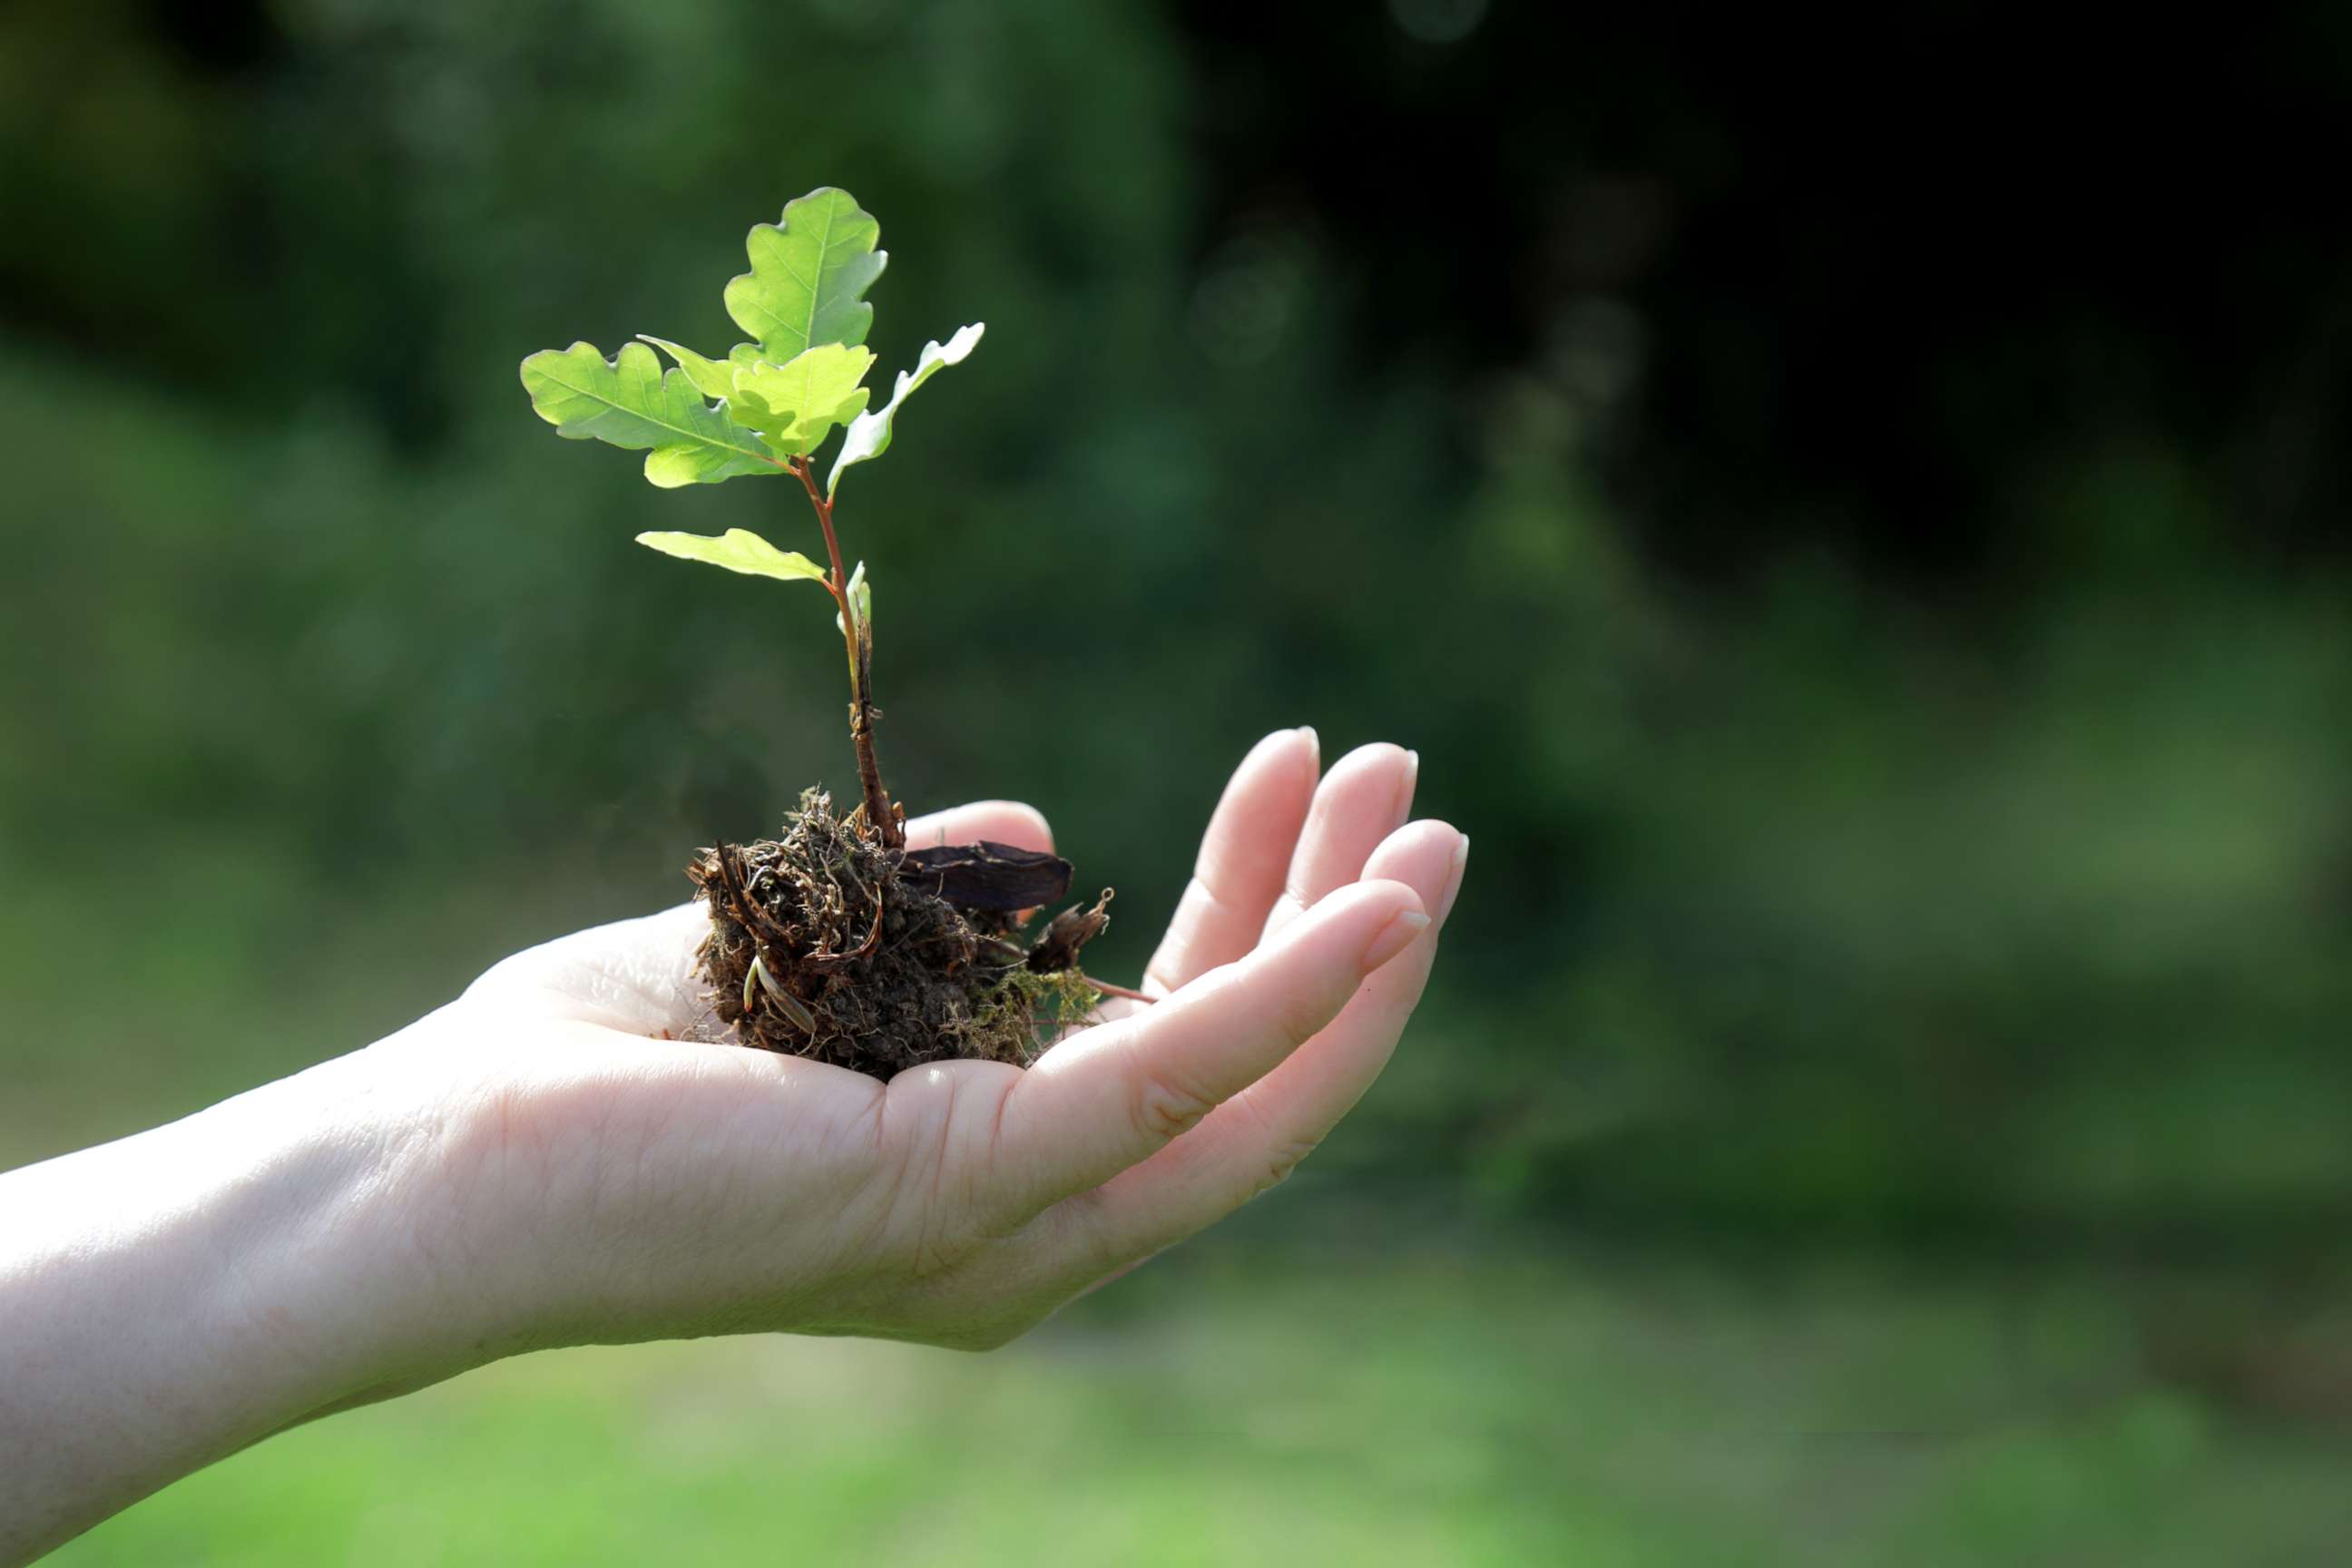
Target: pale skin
535,1165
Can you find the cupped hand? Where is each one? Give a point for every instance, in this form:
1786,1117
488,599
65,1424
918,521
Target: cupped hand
589,1176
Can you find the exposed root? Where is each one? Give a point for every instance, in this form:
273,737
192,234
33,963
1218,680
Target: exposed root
860,967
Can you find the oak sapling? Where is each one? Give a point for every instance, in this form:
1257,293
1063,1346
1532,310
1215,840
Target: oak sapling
835,940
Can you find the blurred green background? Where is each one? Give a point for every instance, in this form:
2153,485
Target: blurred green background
1853,526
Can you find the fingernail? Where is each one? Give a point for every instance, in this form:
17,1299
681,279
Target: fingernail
1394,938
1314,745
1454,877
1411,779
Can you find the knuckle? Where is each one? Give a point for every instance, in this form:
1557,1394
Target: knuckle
1279,1163
1166,1109
1286,908
1300,1017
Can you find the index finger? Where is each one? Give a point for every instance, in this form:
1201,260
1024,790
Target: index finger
1115,1094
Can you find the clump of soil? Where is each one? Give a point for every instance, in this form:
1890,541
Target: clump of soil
826,944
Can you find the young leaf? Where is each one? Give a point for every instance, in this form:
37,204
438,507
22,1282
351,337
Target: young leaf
860,632
869,433
794,406
861,601
628,402
738,550
711,377
807,276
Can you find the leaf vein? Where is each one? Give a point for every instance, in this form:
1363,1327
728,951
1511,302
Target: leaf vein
686,431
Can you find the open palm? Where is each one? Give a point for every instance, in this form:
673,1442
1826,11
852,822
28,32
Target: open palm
630,1183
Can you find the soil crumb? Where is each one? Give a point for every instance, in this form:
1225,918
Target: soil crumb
820,947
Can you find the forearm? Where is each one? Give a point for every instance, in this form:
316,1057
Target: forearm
171,1298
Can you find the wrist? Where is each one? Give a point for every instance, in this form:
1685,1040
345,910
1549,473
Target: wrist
177,1295
329,1261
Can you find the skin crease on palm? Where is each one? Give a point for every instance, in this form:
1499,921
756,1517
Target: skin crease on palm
535,1165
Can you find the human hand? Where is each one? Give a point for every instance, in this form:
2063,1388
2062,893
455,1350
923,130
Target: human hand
535,1165
589,1182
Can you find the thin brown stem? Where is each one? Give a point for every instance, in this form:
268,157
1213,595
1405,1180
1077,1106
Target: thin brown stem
824,520
881,817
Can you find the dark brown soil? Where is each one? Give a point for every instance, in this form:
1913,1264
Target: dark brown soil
863,963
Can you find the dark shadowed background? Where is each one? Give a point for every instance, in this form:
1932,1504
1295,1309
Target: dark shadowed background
1853,520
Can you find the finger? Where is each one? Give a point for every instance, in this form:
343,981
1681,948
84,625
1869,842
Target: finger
1366,797
1001,821
1261,1132
1110,1096
1243,853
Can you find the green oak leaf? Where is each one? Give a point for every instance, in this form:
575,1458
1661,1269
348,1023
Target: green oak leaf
627,401
712,378
869,433
807,276
738,550
795,406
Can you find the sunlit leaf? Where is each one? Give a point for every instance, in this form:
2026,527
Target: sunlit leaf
712,378
870,433
795,406
738,550
629,402
807,276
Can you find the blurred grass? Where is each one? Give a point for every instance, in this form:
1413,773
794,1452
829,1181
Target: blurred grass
1231,1406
